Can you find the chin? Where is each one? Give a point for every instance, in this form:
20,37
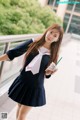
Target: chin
48,41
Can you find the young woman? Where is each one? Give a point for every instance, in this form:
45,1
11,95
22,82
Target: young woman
28,88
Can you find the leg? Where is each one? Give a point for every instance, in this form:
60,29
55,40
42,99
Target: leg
23,112
17,113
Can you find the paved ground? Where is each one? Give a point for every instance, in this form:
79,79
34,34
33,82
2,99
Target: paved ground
62,89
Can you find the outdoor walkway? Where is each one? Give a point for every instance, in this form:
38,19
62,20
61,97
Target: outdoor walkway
62,89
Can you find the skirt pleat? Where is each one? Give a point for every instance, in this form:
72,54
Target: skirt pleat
27,94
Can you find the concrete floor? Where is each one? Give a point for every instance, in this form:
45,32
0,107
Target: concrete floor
62,89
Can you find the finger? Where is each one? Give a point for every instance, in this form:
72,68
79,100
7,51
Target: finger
54,71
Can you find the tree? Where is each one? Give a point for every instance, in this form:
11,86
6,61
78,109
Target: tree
25,16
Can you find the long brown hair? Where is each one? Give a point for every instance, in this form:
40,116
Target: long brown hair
54,48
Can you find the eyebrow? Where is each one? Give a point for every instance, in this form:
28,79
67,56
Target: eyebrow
54,32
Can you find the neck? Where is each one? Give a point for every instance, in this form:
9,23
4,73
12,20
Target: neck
47,45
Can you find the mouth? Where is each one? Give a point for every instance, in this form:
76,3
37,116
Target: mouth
49,39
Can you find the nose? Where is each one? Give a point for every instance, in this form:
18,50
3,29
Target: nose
51,36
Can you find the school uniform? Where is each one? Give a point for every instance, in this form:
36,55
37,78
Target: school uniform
28,88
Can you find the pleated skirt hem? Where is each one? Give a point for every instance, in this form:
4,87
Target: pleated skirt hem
27,94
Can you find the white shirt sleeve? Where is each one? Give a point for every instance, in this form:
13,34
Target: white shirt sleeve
33,39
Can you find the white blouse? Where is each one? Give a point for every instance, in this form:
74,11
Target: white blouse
34,65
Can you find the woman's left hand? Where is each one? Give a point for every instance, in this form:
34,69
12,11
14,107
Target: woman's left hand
49,72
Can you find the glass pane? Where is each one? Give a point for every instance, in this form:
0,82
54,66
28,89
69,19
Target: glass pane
50,2
75,25
56,4
77,8
70,6
66,19
11,67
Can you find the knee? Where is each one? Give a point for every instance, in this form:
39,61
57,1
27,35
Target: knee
23,112
21,116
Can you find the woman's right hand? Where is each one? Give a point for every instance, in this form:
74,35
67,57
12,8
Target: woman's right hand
4,57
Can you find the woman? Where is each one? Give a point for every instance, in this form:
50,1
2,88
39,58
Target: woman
28,88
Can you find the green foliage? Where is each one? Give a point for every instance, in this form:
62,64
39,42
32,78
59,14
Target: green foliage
5,3
14,2
25,16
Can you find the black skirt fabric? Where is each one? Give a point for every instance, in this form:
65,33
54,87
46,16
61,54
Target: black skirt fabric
27,91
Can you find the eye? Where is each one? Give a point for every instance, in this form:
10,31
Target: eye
51,32
55,35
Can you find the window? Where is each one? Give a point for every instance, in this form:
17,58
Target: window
77,8
50,2
75,25
66,19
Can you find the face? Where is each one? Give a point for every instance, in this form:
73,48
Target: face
52,36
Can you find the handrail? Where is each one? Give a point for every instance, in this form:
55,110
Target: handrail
13,38
7,39
75,36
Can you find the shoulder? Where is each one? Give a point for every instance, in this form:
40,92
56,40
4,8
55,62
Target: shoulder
26,43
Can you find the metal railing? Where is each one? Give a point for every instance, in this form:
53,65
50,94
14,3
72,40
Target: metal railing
12,72
8,39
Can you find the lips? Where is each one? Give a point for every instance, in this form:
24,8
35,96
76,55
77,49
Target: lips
49,39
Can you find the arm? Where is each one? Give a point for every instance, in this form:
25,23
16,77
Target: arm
4,57
18,50
47,76
49,72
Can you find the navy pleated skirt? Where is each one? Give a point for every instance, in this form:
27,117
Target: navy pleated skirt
27,93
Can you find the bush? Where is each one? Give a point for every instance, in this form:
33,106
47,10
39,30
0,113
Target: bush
25,16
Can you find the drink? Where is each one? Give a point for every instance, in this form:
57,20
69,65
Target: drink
52,66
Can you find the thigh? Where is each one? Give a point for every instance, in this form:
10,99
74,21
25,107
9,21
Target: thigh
24,109
19,105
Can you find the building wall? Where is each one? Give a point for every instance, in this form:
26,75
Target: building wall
65,13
